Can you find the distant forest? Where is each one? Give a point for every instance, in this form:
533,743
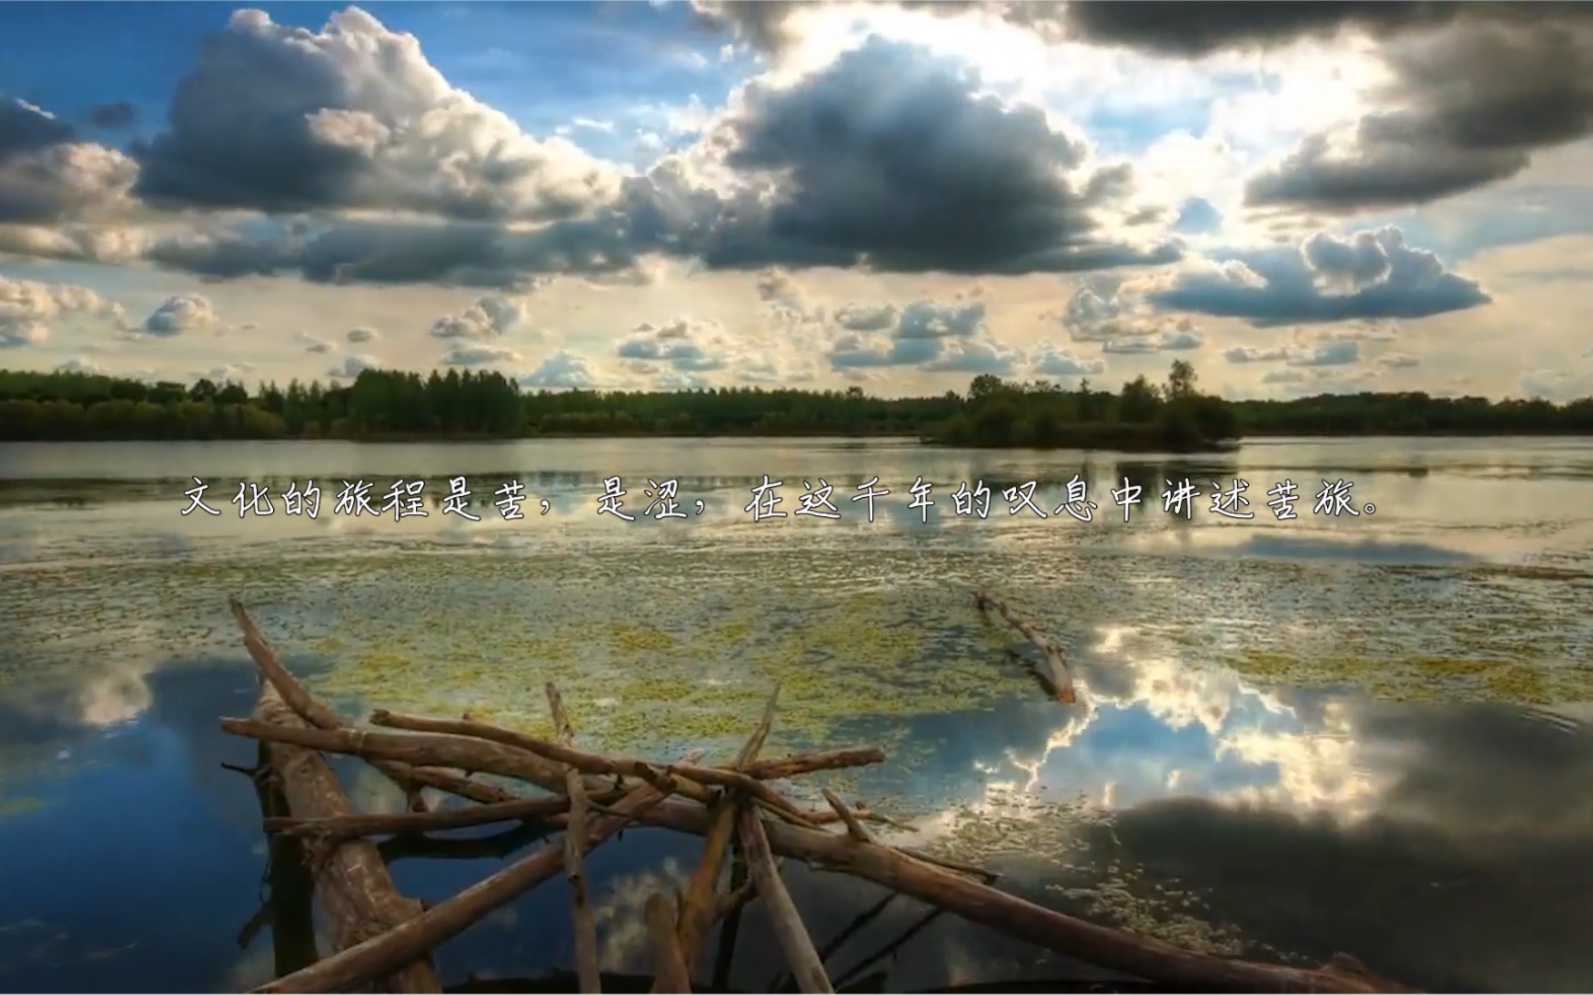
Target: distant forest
379,405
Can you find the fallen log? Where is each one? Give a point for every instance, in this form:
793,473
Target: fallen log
729,910
307,707
669,968
417,749
289,904
1060,679
352,826
947,863
812,763
754,789
582,923
355,890
862,812
442,922
782,981
700,902
804,960
692,780
1103,946
854,828
597,763
559,755
499,846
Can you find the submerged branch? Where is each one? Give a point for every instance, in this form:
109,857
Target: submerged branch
582,922
669,967
447,919
350,826
806,966
700,903
1060,678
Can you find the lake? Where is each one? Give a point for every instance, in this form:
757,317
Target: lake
1365,732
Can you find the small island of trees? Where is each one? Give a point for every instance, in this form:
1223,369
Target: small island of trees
387,405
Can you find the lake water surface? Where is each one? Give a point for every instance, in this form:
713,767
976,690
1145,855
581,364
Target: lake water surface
1366,733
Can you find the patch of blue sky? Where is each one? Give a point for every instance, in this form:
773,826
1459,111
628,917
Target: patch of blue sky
1493,220
1128,122
134,52
602,77
1121,130
1135,747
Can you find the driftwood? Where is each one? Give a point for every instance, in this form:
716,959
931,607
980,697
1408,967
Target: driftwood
724,804
289,905
700,904
862,813
597,763
311,711
582,921
811,763
669,967
451,751
449,918
783,981
730,908
856,830
692,780
1106,947
498,846
559,755
352,882
783,916
1059,678
351,826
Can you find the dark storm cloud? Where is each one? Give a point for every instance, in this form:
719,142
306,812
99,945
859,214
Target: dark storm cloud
26,128
1193,30
47,174
889,158
399,251
1479,86
1182,30
238,132
1472,105
284,119
892,157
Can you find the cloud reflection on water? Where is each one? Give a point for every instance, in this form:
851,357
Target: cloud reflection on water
1178,780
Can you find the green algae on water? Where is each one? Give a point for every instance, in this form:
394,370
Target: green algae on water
20,805
1423,678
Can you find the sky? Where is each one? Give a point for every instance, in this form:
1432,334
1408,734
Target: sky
1297,198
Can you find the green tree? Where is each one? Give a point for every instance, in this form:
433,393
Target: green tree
1181,380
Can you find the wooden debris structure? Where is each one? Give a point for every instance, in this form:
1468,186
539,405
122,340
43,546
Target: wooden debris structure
1056,676
383,941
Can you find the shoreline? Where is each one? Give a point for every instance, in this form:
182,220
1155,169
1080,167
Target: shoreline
399,439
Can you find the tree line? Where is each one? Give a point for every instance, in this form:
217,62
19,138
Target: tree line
379,404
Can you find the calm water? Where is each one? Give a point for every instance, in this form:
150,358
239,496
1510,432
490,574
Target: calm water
1366,733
